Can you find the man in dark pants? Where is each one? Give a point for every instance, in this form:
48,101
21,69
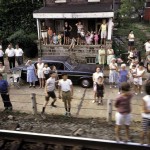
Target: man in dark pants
19,55
4,89
10,52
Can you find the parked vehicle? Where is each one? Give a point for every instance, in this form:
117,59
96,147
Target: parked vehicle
80,74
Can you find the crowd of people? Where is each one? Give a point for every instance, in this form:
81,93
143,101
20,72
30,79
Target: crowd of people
120,76
83,37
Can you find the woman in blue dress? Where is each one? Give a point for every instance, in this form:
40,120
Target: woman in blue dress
31,73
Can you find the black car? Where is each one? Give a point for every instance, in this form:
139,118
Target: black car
80,74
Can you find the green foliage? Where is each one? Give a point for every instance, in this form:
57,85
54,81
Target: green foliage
129,7
26,41
16,15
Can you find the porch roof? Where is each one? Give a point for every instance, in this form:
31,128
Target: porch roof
97,10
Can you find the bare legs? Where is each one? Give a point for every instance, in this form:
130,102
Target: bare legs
67,40
41,82
117,132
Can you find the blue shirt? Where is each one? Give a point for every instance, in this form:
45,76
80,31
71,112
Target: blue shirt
3,86
123,76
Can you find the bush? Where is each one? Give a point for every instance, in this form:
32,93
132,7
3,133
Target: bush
26,42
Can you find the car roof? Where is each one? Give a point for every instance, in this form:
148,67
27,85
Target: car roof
56,58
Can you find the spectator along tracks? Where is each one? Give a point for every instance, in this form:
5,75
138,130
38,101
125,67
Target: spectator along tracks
14,140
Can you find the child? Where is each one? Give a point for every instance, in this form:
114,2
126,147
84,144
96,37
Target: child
146,115
82,34
66,88
133,72
123,114
55,39
59,39
46,71
73,42
96,38
138,78
131,56
99,89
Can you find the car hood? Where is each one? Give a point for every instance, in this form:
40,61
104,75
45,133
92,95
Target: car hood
85,68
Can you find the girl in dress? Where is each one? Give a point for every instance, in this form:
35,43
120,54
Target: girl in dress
96,38
99,90
40,74
31,73
46,71
113,74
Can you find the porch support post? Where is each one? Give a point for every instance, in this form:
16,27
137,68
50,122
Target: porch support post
38,28
110,29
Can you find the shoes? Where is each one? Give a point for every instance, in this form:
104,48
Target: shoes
141,92
9,109
33,86
93,101
66,113
115,86
69,114
6,108
30,86
110,87
136,93
119,93
52,104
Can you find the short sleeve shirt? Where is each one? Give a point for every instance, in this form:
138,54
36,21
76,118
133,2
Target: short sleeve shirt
10,52
18,52
3,86
50,84
65,85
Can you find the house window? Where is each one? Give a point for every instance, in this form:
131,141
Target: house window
60,1
93,0
90,60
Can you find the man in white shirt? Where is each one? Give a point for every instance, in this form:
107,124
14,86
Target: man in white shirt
19,55
147,46
1,56
50,90
10,52
65,86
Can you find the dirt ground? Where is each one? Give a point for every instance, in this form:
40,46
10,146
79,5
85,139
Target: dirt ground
59,125
88,119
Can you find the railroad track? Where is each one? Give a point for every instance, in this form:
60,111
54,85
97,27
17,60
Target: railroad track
14,140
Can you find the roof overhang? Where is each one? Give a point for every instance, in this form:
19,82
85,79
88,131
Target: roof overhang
73,15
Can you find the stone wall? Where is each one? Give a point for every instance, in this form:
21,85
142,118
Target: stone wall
79,54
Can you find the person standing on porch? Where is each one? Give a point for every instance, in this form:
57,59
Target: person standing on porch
19,55
10,52
103,30
50,35
67,29
79,29
44,33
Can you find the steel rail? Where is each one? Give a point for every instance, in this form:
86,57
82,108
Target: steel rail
83,143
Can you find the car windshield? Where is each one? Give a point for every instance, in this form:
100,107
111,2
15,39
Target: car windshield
69,66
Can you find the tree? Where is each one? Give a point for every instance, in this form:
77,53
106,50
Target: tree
130,7
16,15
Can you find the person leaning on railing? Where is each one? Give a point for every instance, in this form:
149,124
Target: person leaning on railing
4,90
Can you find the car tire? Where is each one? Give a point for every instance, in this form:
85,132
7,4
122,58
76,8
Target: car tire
85,83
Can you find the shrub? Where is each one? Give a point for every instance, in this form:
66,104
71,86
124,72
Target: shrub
26,42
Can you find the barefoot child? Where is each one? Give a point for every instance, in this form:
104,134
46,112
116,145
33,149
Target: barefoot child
99,89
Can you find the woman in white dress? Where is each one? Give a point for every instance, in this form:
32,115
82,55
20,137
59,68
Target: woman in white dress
110,55
40,66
